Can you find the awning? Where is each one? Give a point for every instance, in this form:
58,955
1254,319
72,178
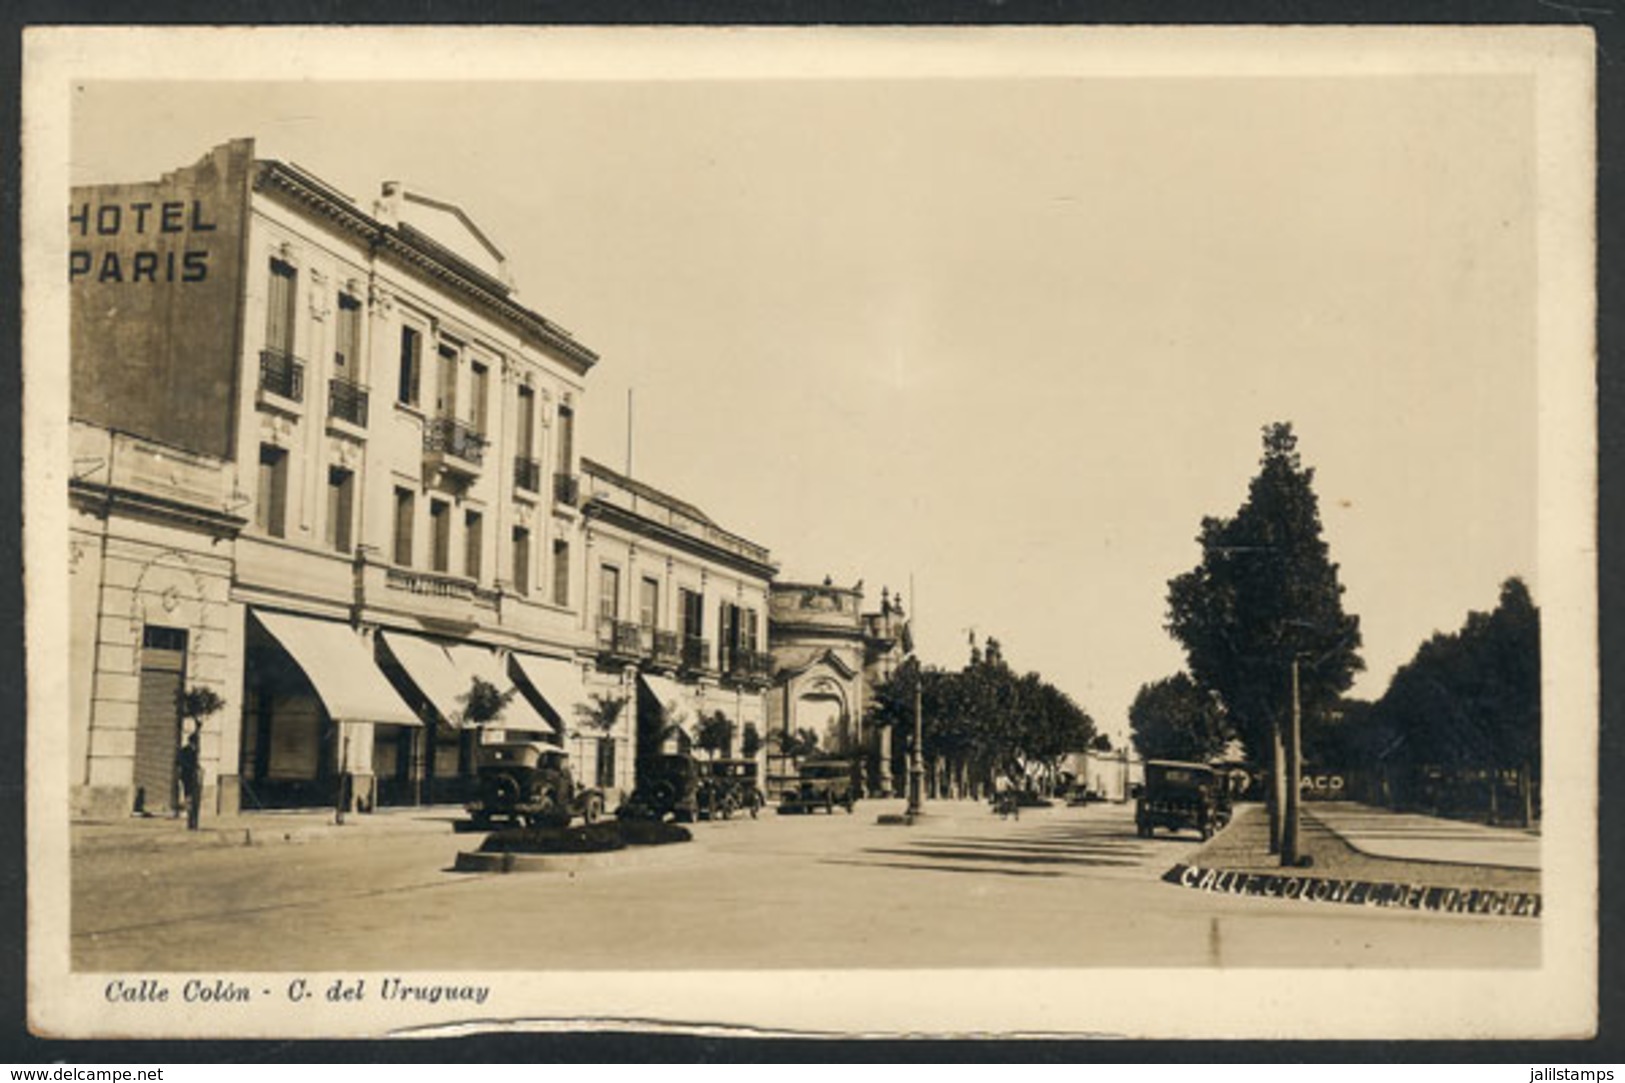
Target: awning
558,682
663,689
431,669
336,660
471,662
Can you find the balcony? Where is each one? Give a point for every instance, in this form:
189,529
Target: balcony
282,379
527,474
433,594
743,666
566,489
621,639
665,652
696,654
453,445
347,401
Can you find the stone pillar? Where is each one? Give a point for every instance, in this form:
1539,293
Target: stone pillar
885,761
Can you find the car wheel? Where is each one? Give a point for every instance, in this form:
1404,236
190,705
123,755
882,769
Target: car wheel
592,809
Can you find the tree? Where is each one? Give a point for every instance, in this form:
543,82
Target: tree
750,742
715,734
1101,743
482,703
601,712
801,742
1469,701
1265,593
1173,719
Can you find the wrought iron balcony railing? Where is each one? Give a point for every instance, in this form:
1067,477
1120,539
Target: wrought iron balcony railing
743,664
696,653
621,638
282,374
448,436
665,647
347,401
566,489
527,474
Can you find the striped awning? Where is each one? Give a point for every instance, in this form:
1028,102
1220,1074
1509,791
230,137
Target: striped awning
558,682
336,661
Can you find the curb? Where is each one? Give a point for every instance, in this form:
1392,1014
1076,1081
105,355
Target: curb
1379,894
1378,855
253,835
630,858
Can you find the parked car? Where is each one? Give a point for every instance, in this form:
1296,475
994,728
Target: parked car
530,782
729,786
668,785
1181,795
821,784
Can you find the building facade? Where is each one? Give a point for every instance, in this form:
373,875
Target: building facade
829,655
324,464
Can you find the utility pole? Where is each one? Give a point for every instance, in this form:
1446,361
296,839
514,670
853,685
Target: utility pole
629,432
1294,777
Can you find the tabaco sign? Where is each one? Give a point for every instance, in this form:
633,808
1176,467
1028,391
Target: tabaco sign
155,272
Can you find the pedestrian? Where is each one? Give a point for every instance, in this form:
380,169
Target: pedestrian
190,768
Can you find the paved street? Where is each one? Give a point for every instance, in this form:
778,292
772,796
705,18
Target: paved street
1062,887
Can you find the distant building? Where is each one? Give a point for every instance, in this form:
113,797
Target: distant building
828,658
324,463
678,604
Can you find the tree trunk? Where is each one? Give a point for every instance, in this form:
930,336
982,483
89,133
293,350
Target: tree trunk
1526,793
1495,795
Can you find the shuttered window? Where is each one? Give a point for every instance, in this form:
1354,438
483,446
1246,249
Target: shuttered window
271,513
282,297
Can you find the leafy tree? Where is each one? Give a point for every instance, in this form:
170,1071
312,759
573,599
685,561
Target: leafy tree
715,733
750,741
482,703
601,712
1101,743
199,702
796,744
1470,700
1266,592
1173,719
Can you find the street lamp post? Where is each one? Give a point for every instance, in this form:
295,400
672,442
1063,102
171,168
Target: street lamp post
916,765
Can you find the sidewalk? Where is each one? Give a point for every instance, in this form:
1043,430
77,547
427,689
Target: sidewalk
1381,832
138,833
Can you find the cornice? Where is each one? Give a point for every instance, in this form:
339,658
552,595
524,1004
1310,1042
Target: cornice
417,251
618,516
105,498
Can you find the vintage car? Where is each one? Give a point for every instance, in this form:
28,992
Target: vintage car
1181,795
729,786
530,782
821,784
668,785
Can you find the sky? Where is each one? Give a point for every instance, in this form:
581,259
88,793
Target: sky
1007,338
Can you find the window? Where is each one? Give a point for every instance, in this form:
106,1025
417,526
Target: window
272,511
727,634
693,613
340,508
281,306
609,592
411,365
606,762
748,631
473,543
567,437
479,384
445,388
440,534
649,603
561,572
347,340
525,439
521,560
403,527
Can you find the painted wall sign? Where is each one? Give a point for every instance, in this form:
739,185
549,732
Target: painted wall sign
1323,787
1385,894
155,283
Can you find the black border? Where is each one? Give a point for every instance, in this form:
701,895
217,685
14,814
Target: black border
17,1045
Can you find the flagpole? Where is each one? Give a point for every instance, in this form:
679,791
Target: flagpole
916,767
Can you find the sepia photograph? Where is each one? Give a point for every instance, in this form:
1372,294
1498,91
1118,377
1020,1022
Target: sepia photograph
839,532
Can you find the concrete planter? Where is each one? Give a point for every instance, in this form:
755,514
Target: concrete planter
630,857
